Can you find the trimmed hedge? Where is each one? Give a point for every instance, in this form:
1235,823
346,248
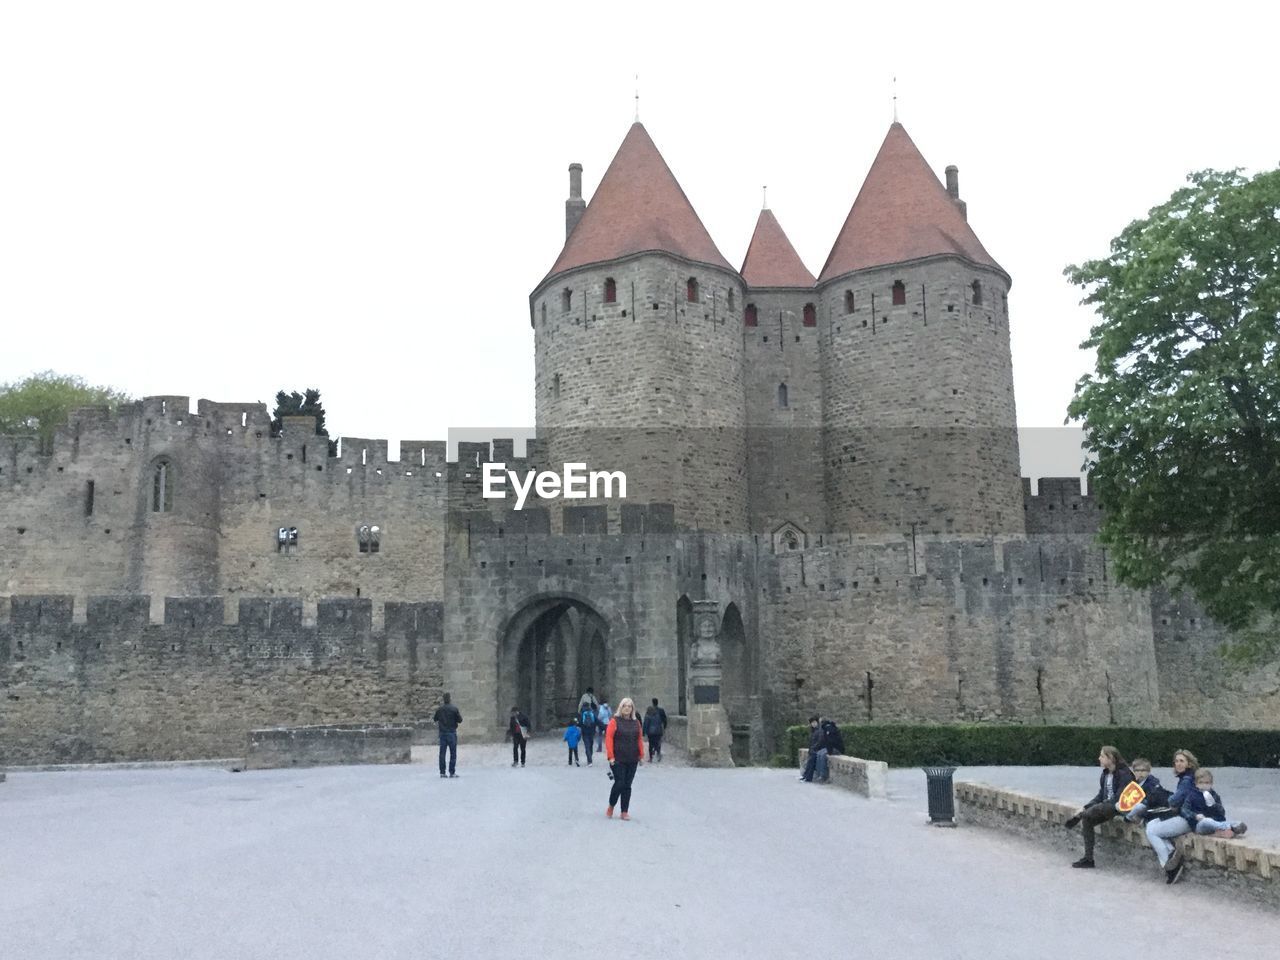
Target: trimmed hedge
981,745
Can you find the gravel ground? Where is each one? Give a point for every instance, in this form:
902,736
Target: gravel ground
393,862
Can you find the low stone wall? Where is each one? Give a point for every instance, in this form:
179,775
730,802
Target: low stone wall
870,778
1228,864
328,744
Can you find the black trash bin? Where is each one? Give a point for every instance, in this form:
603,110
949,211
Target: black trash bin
942,803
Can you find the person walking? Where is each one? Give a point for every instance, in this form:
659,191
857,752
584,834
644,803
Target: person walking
447,719
624,746
572,734
586,721
603,715
655,724
518,731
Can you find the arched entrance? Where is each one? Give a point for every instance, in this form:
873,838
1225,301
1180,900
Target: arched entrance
551,651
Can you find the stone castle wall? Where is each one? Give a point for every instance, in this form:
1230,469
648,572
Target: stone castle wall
118,687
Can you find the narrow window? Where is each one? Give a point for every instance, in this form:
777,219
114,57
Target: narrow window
555,387
977,293
782,396
88,499
749,316
566,299
810,315
899,293
369,538
691,290
610,291
731,306
791,540
544,311
286,539
848,301
162,487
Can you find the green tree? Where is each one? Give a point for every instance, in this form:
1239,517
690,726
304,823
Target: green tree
296,404
41,403
1182,412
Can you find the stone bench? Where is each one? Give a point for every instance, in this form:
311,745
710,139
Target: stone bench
328,745
1230,864
869,778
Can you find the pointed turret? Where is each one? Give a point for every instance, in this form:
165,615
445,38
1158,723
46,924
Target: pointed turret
638,207
902,213
771,260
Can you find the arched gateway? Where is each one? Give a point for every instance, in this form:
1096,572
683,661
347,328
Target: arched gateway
551,650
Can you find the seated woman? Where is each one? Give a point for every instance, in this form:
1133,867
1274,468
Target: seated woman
1115,776
1161,833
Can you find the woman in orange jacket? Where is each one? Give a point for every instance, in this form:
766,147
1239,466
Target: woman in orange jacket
624,746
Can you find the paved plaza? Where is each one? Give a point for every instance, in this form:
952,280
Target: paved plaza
393,862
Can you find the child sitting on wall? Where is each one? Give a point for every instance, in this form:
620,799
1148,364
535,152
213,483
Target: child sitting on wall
572,734
1205,812
1155,801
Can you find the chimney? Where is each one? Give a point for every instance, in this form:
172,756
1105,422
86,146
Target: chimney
575,206
953,190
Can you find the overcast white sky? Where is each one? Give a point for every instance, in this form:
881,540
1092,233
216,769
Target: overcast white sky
224,199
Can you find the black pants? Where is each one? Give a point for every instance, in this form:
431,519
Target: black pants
517,749
623,774
573,754
655,746
1092,817
589,742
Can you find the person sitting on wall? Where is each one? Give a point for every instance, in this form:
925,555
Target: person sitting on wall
1204,810
1161,832
1104,806
816,740
1155,800
832,738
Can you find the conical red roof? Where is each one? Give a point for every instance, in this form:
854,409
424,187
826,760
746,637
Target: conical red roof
902,212
771,260
638,206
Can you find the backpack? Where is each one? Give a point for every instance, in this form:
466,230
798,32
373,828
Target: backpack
588,718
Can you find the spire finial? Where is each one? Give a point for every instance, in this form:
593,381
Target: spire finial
895,99
765,203
637,98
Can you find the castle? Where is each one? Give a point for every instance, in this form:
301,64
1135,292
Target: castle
823,475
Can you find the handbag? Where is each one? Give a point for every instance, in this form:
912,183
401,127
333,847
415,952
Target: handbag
524,732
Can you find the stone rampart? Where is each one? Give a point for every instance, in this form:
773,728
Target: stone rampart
328,745
117,687
1229,864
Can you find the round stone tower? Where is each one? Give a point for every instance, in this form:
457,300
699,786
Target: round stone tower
917,373
639,354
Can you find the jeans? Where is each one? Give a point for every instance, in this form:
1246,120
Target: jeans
655,748
623,774
449,741
1135,815
1207,826
1093,817
517,749
588,743
821,770
573,754
1160,834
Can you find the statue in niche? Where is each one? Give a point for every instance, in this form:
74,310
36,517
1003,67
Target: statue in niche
706,647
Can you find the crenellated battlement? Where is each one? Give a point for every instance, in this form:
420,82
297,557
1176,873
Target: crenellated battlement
1060,507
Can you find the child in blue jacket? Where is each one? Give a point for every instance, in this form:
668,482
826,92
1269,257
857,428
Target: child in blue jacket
572,734
1204,810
